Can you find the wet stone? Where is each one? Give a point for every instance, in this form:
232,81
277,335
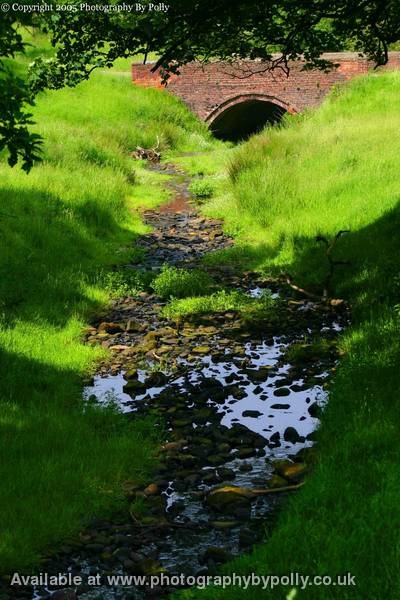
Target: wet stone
294,472
245,452
282,392
156,379
251,413
259,375
134,325
314,410
279,383
275,439
306,455
291,435
276,482
211,478
201,350
135,387
110,328
225,473
216,459
299,388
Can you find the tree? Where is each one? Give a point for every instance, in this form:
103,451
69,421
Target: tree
15,94
204,29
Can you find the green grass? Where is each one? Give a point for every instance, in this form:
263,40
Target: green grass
223,300
62,227
337,168
202,188
211,163
172,282
308,350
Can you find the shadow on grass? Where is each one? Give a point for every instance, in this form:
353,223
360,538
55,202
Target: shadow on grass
62,462
373,251
372,276
50,251
25,380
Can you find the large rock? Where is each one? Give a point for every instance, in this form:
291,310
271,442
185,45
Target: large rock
260,374
228,495
293,472
274,440
111,328
201,350
133,386
291,435
314,410
216,459
251,413
134,325
282,392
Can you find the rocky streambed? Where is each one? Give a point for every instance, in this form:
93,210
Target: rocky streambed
238,399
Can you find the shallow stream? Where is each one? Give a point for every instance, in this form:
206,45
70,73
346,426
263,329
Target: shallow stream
233,400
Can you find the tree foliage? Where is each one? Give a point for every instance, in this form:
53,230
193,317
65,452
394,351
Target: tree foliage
15,95
191,30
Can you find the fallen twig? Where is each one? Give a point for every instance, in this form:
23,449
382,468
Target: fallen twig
151,154
286,488
330,245
289,281
325,298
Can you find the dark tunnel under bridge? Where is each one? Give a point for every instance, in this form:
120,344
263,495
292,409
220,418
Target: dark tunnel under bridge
242,117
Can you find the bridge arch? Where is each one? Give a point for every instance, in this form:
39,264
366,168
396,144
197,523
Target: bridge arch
239,117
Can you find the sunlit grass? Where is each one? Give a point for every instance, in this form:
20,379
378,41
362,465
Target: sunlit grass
173,282
252,309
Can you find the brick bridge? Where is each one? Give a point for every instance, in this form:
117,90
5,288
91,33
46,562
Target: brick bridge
237,100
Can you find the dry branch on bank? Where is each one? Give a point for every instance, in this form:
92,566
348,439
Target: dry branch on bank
325,298
150,154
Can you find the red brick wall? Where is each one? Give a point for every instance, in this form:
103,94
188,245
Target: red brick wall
205,88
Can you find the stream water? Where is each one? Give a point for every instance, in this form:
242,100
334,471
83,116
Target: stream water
239,408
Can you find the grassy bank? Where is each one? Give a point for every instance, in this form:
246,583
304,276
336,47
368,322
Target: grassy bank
61,226
335,169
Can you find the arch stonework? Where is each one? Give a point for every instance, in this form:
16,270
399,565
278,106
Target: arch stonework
216,112
206,89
